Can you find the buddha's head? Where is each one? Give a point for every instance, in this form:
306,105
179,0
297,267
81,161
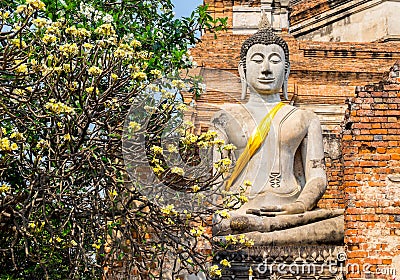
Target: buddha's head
264,62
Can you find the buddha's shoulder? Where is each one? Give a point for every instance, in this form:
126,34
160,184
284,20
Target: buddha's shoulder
228,112
304,115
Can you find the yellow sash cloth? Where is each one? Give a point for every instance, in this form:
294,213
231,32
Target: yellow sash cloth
255,141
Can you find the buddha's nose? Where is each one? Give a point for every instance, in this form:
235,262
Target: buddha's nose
265,70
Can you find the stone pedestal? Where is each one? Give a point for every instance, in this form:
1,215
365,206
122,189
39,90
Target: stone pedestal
297,262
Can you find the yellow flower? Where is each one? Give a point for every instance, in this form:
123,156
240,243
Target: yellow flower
195,188
167,94
134,126
182,107
69,49
96,246
215,271
232,239
3,130
112,194
17,135
4,188
139,75
37,4
23,68
105,29
135,44
53,29
88,46
229,147
172,148
67,137
67,67
218,142
169,210
225,262
208,136
197,231
73,86
5,15
48,39
89,89
158,169
42,143
5,144
59,239
14,147
95,71
189,139
223,164
178,84
58,107
73,243
249,243
243,199
224,214
20,9
39,22
156,73
79,32
114,76
156,149
247,183
177,170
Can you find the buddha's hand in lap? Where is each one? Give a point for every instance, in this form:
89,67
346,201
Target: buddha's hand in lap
288,209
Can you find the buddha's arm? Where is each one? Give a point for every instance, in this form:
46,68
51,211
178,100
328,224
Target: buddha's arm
217,126
312,151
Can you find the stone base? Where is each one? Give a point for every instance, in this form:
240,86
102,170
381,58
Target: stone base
319,262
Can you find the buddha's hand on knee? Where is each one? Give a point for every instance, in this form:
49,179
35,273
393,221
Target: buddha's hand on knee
293,208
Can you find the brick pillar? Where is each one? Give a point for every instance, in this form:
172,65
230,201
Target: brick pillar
371,158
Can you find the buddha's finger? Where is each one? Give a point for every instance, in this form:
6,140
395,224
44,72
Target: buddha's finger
271,209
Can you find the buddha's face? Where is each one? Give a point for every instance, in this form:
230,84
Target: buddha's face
265,68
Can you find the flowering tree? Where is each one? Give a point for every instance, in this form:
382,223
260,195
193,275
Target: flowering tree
71,203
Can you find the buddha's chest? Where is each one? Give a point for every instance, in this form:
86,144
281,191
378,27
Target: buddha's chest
287,130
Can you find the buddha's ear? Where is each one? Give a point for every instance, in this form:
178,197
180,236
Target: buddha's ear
242,80
285,82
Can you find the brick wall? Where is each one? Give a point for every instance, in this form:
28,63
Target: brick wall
371,158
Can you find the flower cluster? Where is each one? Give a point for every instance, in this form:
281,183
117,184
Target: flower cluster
69,49
78,32
215,271
241,239
198,231
58,107
105,29
4,188
95,71
223,165
178,171
169,210
7,146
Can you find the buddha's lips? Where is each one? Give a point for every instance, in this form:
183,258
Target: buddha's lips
266,80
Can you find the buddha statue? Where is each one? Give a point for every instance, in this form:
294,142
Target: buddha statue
279,150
